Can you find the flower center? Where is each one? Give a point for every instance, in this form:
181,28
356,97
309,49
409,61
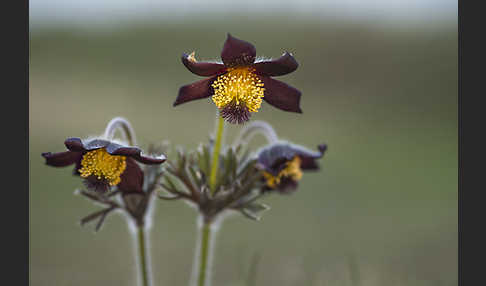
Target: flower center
291,171
103,165
239,86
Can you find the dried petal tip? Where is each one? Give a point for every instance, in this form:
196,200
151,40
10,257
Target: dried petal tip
201,68
192,57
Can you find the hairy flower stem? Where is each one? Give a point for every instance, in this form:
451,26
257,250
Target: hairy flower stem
216,150
204,249
126,129
255,128
142,252
120,123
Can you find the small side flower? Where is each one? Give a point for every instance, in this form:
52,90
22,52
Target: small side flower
283,164
102,163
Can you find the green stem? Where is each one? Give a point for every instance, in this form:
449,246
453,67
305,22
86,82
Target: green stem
204,254
215,160
142,256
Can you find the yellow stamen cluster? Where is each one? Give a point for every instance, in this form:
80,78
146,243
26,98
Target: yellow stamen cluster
102,165
292,170
238,86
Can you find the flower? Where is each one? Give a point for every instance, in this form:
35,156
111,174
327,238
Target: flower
282,165
239,84
104,163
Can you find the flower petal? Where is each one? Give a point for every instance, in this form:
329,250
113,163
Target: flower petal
62,159
201,68
77,145
97,144
309,157
196,90
287,186
149,160
281,95
74,144
281,66
237,52
274,157
132,177
92,183
135,153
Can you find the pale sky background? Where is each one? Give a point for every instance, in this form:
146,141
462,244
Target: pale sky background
105,11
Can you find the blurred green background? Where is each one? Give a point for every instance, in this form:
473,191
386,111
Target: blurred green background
382,210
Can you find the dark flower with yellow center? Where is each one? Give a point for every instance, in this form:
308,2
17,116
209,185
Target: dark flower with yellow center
104,163
239,84
282,165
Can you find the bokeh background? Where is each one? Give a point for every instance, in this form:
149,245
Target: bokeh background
379,85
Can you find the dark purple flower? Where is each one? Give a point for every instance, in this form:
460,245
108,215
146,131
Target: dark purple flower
239,84
104,163
282,164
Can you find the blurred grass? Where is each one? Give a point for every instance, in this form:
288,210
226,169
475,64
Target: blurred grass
383,208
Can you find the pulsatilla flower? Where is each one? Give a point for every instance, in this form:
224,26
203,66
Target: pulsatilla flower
282,165
238,85
104,163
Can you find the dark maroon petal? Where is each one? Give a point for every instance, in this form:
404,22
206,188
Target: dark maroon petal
62,159
78,166
309,157
148,160
77,145
281,66
74,144
237,52
196,90
201,68
281,95
117,149
287,186
94,184
132,177
135,153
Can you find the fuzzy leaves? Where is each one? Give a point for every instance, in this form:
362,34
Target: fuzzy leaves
238,182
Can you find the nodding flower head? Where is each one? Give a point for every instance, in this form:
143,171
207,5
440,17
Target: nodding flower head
103,163
238,85
283,164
